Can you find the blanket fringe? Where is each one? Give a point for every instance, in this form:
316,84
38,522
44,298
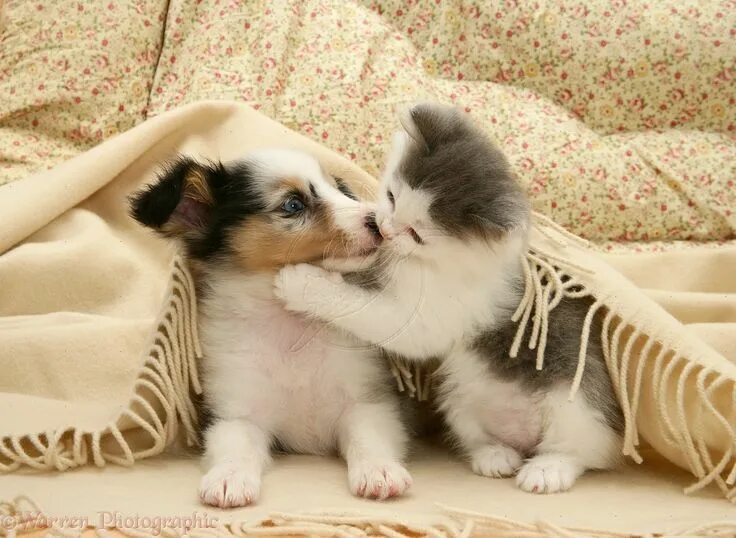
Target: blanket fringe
627,351
22,515
160,402
411,377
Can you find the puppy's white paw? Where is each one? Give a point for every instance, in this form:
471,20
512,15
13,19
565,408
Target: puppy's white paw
228,486
549,473
495,461
294,284
378,480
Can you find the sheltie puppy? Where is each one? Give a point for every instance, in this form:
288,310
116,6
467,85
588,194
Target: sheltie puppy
273,378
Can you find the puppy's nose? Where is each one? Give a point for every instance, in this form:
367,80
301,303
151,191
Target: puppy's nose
370,223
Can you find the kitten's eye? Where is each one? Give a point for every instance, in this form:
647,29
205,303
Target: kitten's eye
391,197
415,236
293,205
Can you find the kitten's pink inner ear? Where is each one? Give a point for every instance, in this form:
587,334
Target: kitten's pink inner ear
191,213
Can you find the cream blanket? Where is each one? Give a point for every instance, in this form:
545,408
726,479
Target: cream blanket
98,342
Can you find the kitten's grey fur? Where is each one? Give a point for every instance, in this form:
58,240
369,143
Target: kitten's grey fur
457,220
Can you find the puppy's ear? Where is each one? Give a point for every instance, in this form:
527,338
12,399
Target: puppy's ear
431,124
180,202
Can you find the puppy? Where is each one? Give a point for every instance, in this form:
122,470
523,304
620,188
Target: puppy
272,377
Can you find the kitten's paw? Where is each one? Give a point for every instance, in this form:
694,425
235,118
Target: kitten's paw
228,486
378,481
548,473
495,461
294,284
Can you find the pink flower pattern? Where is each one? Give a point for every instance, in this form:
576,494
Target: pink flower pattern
72,73
619,116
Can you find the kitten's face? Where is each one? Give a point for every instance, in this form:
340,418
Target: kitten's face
403,213
445,185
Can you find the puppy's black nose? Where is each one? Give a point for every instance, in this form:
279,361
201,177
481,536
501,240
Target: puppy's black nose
370,223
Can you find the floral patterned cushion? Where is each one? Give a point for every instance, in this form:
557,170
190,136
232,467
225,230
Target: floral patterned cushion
72,73
618,115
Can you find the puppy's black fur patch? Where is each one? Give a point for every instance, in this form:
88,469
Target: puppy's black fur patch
204,229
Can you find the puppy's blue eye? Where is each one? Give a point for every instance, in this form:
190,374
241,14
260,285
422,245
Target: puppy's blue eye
293,205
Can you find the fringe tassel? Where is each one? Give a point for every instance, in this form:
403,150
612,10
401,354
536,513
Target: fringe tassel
22,515
166,380
548,279
413,378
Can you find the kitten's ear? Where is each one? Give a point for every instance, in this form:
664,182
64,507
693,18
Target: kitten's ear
431,124
180,202
406,118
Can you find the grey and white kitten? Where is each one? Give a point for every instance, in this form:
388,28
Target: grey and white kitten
444,283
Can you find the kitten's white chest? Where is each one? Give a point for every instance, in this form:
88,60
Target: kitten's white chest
504,410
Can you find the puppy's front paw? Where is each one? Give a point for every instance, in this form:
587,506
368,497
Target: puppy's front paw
548,473
229,486
378,481
495,461
296,284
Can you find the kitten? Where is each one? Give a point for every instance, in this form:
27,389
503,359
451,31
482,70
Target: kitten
445,283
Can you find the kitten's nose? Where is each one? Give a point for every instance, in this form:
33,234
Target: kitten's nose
370,223
386,231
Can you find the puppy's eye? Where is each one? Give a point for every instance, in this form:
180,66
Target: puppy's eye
391,197
293,205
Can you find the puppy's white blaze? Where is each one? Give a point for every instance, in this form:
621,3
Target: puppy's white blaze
279,163
348,214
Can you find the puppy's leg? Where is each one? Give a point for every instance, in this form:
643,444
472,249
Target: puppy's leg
236,453
576,438
373,441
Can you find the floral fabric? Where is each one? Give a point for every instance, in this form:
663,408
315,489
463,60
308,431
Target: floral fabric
72,73
619,116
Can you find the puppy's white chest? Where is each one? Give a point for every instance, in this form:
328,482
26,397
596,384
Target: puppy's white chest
288,374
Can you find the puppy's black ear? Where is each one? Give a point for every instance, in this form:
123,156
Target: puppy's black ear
180,202
432,124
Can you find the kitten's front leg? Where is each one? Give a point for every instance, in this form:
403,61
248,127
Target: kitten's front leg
371,315
311,290
488,456
236,452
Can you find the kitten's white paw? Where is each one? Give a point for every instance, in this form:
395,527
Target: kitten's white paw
549,473
378,480
495,461
293,282
228,486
